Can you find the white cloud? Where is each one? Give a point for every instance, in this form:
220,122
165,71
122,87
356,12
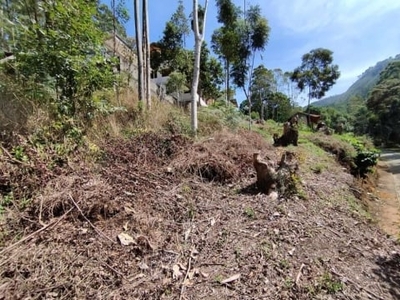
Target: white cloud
299,16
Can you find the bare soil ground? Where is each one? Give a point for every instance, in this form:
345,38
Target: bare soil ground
162,217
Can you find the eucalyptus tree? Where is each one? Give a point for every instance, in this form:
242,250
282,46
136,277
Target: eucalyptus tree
109,20
263,83
139,52
211,75
199,38
226,37
172,55
253,31
146,54
317,73
181,22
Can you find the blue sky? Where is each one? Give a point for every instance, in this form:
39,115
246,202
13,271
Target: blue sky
359,32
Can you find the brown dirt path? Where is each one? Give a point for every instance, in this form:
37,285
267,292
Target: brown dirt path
388,192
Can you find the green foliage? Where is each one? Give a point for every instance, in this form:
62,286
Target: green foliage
253,35
19,153
356,153
249,213
5,201
105,19
176,83
384,103
361,88
276,107
217,117
317,73
59,49
330,284
180,20
366,156
211,75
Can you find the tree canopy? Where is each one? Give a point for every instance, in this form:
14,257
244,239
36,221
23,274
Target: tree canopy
316,72
384,103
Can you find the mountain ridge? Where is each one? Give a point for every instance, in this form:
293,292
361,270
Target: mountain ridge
361,87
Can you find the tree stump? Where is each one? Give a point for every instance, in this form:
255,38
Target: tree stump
266,174
281,177
286,174
290,136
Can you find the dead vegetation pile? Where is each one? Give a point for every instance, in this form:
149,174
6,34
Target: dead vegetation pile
225,157
161,217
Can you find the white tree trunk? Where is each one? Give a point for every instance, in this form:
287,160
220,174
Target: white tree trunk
146,51
198,37
139,50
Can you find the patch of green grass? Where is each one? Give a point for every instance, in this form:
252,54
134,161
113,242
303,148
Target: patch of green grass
284,264
358,208
6,201
238,253
330,284
186,189
289,283
266,249
249,212
218,278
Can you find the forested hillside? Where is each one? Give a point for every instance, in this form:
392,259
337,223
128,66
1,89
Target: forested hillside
360,88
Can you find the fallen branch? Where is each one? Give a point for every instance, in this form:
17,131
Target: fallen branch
40,212
299,274
55,222
334,232
90,223
186,275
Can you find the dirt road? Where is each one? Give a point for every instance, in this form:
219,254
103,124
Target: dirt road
388,191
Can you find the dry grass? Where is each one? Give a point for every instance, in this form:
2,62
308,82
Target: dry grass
194,216
189,234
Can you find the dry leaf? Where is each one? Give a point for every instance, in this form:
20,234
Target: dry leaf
193,272
230,279
187,233
125,227
205,275
182,266
176,272
136,277
125,239
129,209
143,266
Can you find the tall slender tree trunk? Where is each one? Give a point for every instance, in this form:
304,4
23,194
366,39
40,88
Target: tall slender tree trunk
146,51
139,50
198,37
228,86
116,84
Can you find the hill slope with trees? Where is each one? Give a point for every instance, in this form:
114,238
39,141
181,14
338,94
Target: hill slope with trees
360,88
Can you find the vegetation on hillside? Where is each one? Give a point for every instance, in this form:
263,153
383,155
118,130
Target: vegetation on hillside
359,89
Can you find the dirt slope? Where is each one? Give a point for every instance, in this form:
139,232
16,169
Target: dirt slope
196,228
